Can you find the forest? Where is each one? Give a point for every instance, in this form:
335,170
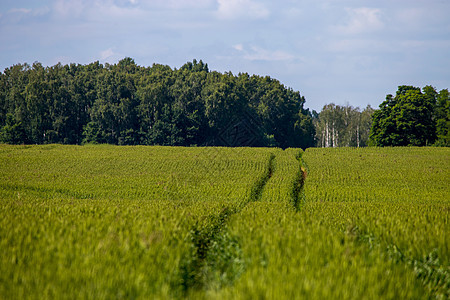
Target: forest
127,104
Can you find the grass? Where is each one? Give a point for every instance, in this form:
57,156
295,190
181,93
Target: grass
108,222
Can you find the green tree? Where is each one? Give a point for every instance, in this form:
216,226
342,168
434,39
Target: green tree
14,81
128,104
153,92
38,96
189,105
13,131
406,119
442,117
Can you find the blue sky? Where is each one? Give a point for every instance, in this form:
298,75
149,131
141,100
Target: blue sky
341,51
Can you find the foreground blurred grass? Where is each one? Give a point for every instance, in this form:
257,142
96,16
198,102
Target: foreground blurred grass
111,222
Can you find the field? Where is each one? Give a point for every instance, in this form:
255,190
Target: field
108,222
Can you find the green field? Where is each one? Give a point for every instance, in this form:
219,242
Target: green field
110,222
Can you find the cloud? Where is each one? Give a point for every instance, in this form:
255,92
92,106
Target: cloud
105,54
20,10
174,4
258,53
17,15
355,45
65,8
110,55
235,9
238,47
96,9
361,20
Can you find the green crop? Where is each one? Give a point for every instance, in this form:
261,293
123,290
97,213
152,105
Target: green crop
312,249
107,222
113,222
396,199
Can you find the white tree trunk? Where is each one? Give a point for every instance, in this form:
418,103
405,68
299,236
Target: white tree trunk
357,135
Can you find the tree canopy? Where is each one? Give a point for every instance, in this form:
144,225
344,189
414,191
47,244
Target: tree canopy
414,117
127,104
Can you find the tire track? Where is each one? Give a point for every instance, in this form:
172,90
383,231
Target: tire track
198,269
297,193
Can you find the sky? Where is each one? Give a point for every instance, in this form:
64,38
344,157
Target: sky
333,51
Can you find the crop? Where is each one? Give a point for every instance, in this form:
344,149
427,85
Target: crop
396,199
299,251
113,222
102,222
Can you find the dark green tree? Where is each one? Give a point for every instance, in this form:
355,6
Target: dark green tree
442,118
38,96
126,104
14,80
13,131
405,120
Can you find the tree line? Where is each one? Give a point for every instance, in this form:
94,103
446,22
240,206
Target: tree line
127,104
342,126
413,117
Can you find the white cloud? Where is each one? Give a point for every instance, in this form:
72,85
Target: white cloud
106,54
177,4
20,10
234,9
15,15
359,45
258,53
99,11
361,20
65,8
238,47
